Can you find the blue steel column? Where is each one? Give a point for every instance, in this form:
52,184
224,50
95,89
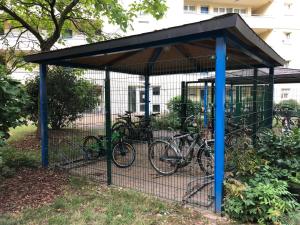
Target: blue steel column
220,114
43,114
147,98
108,130
205,104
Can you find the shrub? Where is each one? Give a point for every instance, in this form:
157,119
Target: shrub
173,118
262,198
12,160
69,95
13,99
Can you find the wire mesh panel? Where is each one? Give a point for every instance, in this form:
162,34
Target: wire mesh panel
163,126
249,111
78,145
172,148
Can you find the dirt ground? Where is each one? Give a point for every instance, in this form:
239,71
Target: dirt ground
142,177
30,188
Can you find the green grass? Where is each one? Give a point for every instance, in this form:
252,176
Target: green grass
87,203
19,133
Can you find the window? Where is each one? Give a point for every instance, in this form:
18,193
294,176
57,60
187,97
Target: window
189,8
285,93
204,9
288,9
142,96
142,107
236,10
156,108
192,91
221,10
216,10
243,11
132,98
142,78
156,90
287,38
67,34
287,63
229,10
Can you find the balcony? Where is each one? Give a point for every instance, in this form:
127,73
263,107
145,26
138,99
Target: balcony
251,3
254,21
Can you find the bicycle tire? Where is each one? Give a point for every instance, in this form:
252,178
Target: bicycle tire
118,150
204,156
169,157
91,147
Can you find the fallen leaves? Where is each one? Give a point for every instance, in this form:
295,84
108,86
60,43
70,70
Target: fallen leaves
30,188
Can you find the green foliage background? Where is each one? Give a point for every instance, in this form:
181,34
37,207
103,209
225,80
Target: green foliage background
69,95
13,99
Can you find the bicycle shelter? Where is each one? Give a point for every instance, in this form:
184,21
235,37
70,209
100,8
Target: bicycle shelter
167,71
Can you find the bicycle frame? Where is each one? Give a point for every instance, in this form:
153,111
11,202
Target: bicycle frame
191,145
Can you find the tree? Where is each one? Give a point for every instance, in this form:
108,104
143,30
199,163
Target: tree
13,99
46,20
69,95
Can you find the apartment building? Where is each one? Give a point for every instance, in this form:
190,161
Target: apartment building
276,21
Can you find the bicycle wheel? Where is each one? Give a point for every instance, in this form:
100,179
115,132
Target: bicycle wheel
163,157
123,154
205,158
91,147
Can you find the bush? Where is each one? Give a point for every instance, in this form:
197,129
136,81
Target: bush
12,160
263,198
173,118
13,99
260,191
69,95
291,104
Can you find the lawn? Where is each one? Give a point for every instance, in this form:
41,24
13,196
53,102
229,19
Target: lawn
84,202
38,196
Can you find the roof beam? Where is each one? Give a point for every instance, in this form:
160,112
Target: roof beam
232,40
183,51
151,62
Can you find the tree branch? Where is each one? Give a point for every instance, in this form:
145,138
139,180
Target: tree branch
23,22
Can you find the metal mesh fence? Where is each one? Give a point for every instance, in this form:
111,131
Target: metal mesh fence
166,147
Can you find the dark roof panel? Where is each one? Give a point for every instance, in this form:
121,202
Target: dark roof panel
184,42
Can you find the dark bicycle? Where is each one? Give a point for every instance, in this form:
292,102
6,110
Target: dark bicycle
135,130
123,153
167,156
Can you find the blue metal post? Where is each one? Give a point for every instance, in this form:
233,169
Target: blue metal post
147,98
231,99
43,114
220,114
205,104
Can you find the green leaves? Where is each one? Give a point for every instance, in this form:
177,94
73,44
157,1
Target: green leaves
261,198
69,95
13,99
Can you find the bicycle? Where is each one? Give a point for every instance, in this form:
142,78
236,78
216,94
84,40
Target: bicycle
167,156
196,186
287,122
123,153
135,130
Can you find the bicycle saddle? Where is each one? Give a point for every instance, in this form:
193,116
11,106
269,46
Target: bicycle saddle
139,116
155,114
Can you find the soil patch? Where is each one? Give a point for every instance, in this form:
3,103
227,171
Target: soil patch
31,188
